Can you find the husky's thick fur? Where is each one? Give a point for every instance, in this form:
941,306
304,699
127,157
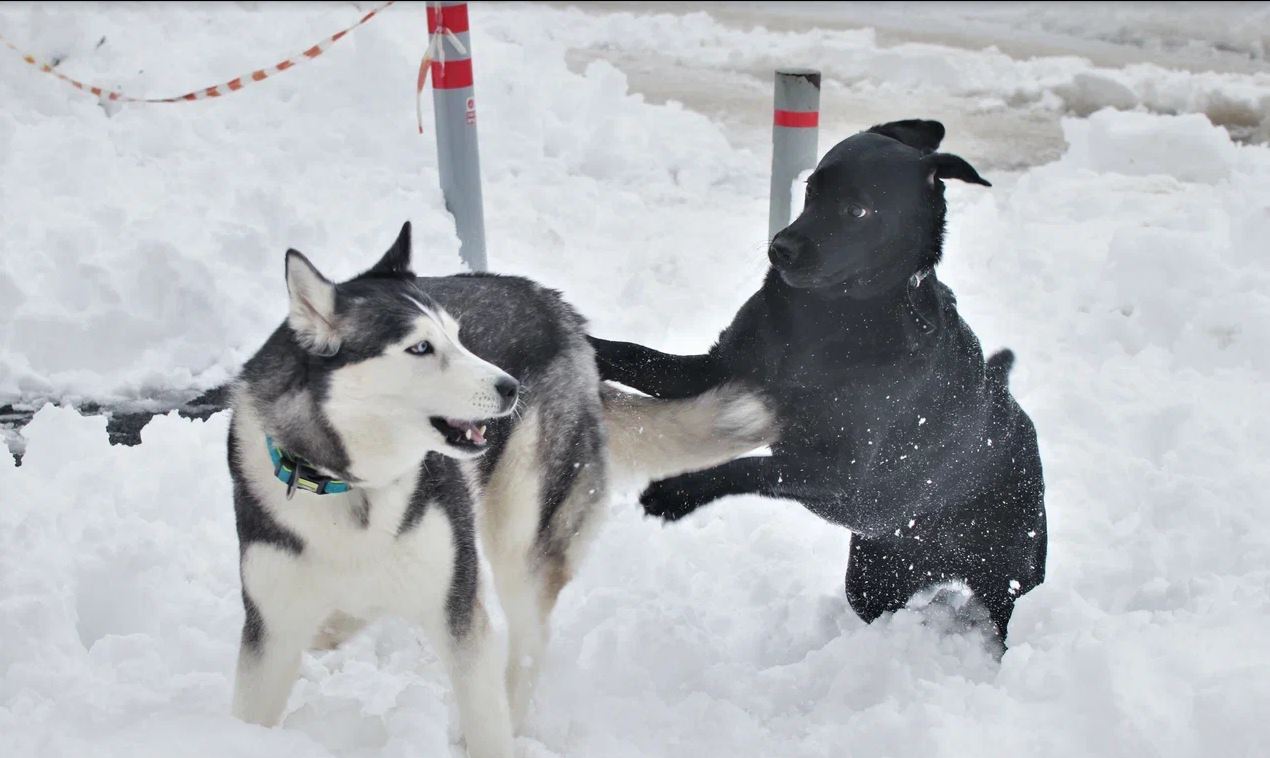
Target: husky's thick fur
451,407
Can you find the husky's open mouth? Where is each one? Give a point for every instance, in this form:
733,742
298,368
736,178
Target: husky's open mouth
464,435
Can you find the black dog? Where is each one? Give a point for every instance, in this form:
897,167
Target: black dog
891,423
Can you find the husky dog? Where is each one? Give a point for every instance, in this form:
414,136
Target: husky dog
390,420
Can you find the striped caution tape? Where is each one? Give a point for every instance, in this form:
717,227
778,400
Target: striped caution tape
233,85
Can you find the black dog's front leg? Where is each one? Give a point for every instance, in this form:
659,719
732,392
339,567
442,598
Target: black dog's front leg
677,496
816,483
653,372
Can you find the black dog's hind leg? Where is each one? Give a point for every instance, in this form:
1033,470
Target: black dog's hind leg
996,547
653,372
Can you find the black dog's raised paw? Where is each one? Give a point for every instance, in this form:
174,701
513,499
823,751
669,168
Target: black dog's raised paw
666,500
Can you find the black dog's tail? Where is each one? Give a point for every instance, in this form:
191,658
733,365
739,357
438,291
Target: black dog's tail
998,369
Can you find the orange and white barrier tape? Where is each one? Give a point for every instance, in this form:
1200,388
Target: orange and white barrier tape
233,85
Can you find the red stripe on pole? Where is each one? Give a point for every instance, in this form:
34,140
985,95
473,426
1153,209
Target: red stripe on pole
797,119
453,17
453,74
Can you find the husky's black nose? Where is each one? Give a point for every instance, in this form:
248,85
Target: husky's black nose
507,388
782,253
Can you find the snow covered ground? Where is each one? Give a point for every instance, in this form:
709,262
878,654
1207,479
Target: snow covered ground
1121,254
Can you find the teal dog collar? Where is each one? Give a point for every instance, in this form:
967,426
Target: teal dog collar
297,474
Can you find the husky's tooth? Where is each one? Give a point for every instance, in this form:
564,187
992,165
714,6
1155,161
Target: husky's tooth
468,434
482,430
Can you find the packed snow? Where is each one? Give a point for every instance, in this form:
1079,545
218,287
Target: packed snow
141,261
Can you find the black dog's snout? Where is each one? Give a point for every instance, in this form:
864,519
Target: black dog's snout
783,253
507,388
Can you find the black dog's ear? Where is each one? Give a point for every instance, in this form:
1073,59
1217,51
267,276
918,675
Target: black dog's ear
914,132
949,166
397,259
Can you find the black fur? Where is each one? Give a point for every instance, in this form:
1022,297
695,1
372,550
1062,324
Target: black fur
891,424
253,624
442,483
566,457
253,519
515,324
916,133
463,585
255,525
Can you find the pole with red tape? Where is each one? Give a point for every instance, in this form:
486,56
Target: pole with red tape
458,158
795,131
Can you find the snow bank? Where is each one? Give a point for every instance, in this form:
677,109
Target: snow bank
1184,147
143,252
858,65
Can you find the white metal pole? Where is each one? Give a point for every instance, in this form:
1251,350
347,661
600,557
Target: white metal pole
795,130
458,157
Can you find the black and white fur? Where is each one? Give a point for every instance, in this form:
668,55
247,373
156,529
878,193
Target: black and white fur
891,423
439,446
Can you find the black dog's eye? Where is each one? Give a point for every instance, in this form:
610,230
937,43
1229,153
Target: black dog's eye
420,348
857,211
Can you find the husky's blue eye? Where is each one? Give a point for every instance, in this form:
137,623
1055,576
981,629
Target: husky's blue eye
420,348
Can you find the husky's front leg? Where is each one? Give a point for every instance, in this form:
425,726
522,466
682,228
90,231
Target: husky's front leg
277,629
477,659
527,638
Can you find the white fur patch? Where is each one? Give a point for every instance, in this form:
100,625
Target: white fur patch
656,438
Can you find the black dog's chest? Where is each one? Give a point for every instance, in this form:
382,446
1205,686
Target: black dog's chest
838,362
846,402
862,385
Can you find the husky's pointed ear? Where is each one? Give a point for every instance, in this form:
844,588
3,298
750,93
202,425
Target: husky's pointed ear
397,259
312,315
949,166
914,132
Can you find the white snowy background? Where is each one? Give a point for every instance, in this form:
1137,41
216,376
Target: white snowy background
1122,253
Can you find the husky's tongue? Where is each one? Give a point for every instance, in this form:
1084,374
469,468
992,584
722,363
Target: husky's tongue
471,431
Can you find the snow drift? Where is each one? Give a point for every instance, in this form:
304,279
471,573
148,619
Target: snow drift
142,254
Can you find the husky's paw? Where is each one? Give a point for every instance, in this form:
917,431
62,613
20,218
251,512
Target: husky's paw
672,499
